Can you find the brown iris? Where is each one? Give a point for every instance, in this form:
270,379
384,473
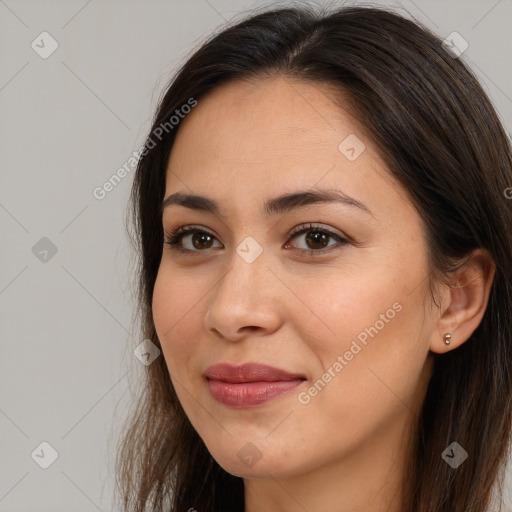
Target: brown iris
202,240
317,239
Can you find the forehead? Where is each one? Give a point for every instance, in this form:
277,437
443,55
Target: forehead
258,139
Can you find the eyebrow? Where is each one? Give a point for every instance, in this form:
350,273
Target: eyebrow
281,204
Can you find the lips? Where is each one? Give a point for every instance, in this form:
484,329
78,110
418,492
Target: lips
249,372
250,384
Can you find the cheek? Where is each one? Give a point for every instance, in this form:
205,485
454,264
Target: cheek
175,307
344,306
179,303
373,346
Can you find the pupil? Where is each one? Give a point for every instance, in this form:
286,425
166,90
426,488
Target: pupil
317,239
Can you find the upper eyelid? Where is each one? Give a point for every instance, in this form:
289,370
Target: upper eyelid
296,230
315,225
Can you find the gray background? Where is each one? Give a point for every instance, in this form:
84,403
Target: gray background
68,122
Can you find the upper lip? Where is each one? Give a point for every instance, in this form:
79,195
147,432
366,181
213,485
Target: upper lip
248,372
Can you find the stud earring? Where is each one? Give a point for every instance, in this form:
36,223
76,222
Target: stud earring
447,338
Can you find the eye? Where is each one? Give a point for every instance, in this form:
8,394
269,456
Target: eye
190,239
315,239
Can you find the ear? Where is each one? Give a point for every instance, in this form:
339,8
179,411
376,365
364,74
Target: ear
463,303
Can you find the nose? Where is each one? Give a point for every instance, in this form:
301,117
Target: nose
245,301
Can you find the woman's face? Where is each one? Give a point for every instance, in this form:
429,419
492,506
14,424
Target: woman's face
332,291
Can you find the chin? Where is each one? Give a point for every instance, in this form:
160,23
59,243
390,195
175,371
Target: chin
249,461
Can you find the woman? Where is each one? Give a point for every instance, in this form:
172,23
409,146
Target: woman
325,242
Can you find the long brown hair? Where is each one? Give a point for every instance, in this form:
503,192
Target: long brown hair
442,139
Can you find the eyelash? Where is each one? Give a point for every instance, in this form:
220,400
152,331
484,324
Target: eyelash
174,237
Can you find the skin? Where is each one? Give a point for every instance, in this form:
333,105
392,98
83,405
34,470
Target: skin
346,449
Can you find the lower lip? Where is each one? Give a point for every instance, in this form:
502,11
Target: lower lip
249,394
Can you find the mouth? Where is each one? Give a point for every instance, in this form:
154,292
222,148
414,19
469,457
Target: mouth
250,384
